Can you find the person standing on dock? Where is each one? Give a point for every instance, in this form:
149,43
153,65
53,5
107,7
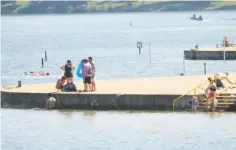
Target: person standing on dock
68,68
87,72
93,73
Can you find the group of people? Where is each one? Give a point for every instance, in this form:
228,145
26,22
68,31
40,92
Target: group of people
66,83
195,18
210,92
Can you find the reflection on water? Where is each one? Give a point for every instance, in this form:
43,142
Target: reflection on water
74,129
70,112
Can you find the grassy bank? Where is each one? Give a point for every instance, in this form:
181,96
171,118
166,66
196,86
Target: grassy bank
70,7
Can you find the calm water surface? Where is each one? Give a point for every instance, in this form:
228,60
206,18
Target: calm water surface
112,42
41,129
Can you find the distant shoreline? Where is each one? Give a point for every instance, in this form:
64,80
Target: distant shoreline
17,7
86,13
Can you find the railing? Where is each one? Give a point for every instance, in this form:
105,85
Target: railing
191,90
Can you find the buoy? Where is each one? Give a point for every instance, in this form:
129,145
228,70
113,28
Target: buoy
79,72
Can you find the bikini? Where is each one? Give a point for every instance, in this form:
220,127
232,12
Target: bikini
212,95
212,92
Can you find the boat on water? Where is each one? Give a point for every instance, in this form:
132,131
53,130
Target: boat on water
195,18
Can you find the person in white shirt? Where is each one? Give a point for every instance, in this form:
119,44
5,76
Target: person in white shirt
50,102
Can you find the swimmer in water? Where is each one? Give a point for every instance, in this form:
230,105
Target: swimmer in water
194,104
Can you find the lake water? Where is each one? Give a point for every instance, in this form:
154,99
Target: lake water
112,42
111,130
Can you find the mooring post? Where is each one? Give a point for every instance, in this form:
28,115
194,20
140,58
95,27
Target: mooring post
19,83
42,62
150,58
183,63
46,56
224,38
139,46
204,67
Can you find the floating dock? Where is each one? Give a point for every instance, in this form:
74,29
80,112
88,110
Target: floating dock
139,93
211,53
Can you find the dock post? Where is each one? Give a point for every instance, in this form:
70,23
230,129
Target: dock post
150,60
184,64
204,67
19,83
42,63
224,47
139,46
46,59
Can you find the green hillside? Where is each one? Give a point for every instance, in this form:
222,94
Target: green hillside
67,7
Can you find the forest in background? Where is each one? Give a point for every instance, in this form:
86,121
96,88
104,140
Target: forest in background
71,7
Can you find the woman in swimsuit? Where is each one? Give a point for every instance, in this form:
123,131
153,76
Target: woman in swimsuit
68,68
211,93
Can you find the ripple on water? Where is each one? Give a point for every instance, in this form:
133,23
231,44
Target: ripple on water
37,129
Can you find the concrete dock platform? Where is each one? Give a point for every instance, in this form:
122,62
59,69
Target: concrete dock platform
138,93
211,53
